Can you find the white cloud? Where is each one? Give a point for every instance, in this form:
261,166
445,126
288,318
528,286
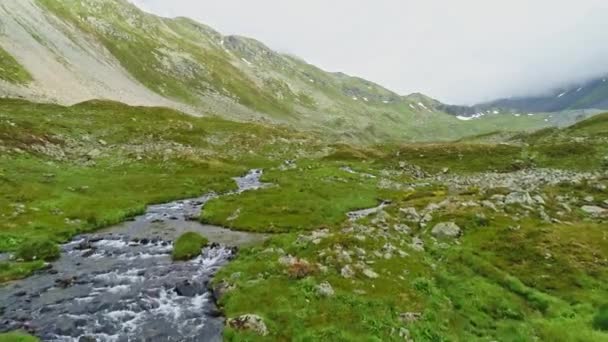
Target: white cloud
458,51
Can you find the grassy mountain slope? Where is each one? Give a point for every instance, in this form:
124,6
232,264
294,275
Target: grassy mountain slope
109,49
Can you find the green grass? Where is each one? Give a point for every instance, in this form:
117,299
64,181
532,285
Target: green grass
38,249
310,196
600,321
11,71
17,337
188,246
51,188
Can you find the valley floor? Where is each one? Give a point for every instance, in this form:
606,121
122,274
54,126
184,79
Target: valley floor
468,241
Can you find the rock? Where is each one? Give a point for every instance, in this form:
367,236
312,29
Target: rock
249,322
594,210
489,205
87,339
417,244
410,317
539,199
65,282
589,199
95,153
446,230
519,197
431,208
189,289
498,198
370,273
347,272
287,260
221,288
410,214
402,228
325,290
425,220
544,216
88,253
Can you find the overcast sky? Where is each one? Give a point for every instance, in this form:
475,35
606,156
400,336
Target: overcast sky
461,51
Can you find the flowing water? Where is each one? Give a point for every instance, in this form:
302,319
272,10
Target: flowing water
121,284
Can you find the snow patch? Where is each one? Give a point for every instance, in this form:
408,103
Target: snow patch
464,118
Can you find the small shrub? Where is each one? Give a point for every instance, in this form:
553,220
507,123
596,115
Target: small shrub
600,321
300,269
38,249
188,246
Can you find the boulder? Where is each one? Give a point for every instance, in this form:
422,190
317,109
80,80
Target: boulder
189,289
325,290
249,322
594,210
347,272
519,197
368,272
446,230
417,244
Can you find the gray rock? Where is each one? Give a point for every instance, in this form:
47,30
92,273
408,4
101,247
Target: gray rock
410,214
519,197
446,230
368,272
249,322
539,199
325,290
489,205
417,244
347,272
594,210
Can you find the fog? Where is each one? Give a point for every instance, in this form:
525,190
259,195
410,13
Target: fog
459,52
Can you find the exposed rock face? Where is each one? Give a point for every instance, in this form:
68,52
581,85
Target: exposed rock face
249,322
446,230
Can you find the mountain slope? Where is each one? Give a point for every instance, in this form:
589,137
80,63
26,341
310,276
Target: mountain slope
71,51
589,95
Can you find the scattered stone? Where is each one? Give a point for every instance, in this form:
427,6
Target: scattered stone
446,230
410,214
519,197
249,322
65,282
489,205
539,199
347,272
370,273
417,244
410,317
189,289
589,199
325,290
402,228
425,220
594,210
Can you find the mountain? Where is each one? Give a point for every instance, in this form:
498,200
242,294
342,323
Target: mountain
70,51
589,95
581,99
